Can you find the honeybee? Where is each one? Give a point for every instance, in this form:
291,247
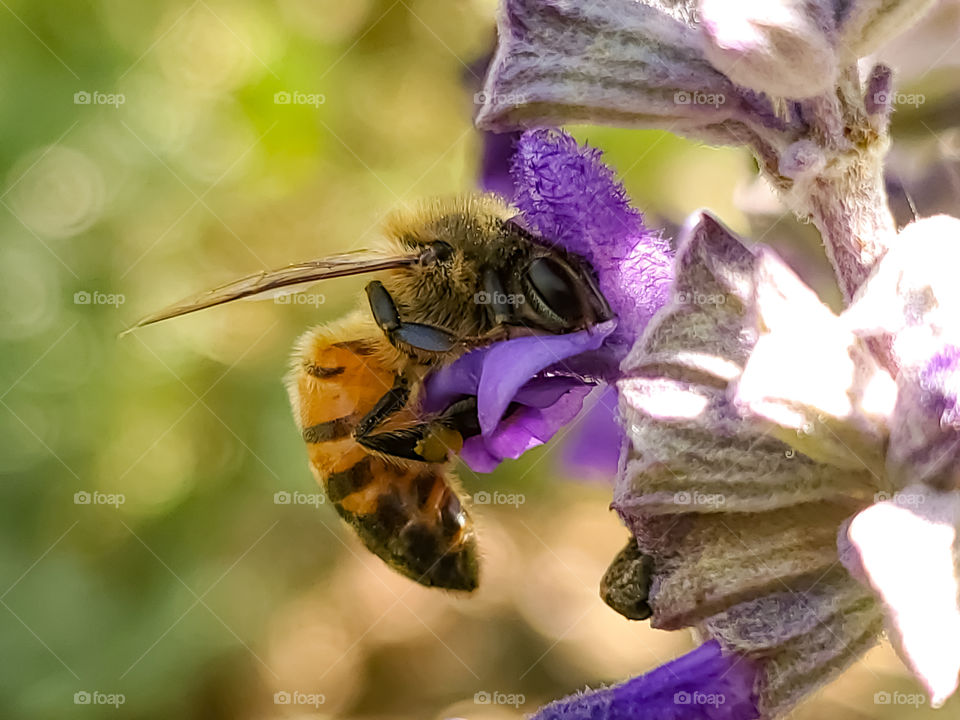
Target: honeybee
355,384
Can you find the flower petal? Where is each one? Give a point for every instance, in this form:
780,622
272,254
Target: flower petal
800,639
838,401
508,365
867,24
501,374
570,197
785,48
596,442
704,684
620,61
907,546
525,428
686,436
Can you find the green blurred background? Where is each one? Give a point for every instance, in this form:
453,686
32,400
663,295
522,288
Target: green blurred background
198,596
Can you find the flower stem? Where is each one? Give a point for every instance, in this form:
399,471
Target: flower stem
846,197
851,212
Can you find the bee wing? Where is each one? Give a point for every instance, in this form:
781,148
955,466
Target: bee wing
266,283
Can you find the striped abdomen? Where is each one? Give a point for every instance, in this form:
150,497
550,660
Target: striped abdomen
406,512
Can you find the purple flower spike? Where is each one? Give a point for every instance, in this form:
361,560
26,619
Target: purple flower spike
704,684
570,197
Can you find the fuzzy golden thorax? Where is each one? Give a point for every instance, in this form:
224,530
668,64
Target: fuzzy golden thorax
465,240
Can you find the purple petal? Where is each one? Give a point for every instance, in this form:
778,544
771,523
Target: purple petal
509,365
524,428
498,150
542,392
622,62
475,454
496,373
451,382
704,684
570,197
595,443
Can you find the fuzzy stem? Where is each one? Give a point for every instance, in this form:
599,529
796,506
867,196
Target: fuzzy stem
846,198
851,212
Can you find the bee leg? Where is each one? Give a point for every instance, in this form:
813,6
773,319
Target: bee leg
416,335
431,441
394,400
626,585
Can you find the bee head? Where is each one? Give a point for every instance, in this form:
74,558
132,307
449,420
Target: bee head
477,268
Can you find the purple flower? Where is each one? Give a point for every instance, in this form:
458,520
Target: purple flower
791,475
510,372
568,197
778,76
705,684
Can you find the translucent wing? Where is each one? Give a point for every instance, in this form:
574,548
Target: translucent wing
266,282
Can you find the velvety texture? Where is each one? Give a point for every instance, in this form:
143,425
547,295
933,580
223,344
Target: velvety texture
705,684
570,197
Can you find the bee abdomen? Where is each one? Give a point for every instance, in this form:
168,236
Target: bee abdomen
408,513
411,517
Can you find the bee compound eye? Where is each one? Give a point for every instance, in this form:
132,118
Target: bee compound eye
438,251
554,287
